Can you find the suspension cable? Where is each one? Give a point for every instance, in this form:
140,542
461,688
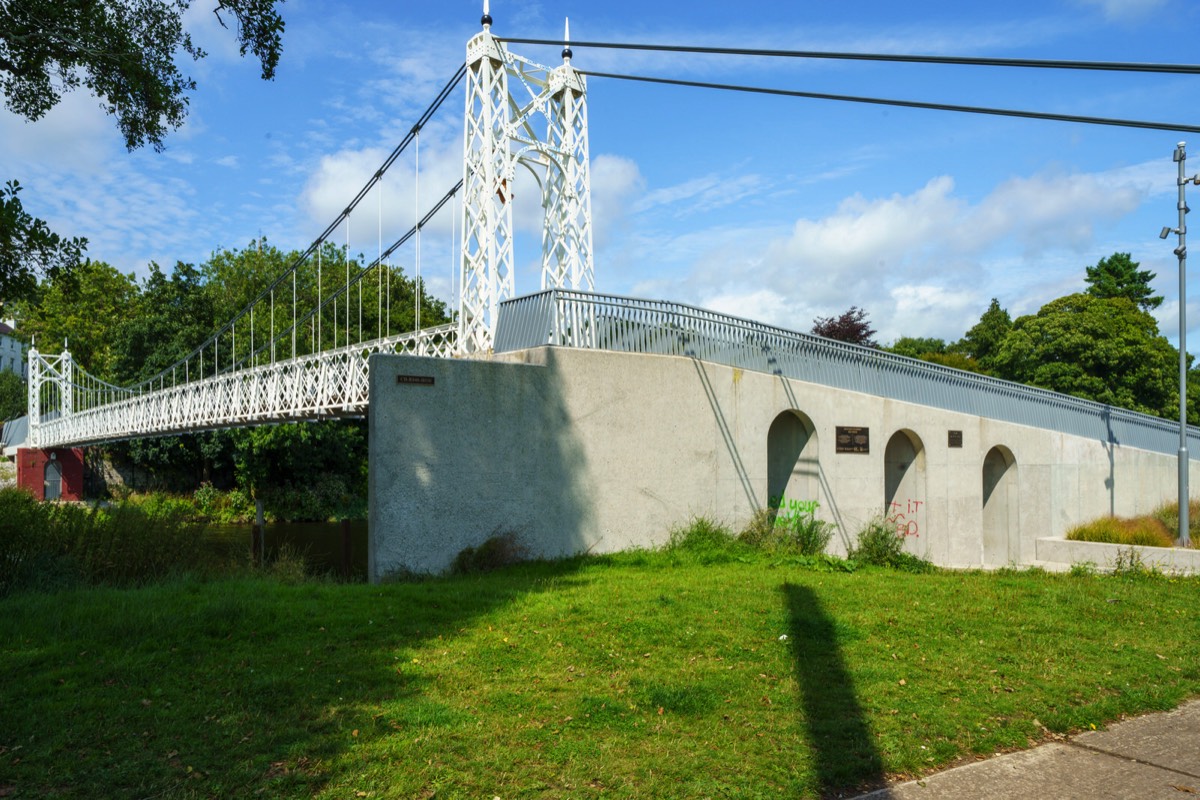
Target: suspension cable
1001,112
315,247
1031,63
335,296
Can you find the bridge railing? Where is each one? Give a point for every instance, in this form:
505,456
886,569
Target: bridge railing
329,383
568,318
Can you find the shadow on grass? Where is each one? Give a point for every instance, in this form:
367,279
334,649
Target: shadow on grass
229,688
844,753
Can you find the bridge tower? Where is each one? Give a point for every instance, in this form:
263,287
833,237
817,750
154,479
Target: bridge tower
519,112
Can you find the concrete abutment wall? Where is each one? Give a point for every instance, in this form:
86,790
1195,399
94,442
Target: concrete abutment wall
578,450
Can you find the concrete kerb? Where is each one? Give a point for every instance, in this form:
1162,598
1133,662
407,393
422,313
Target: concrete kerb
1152,756
1106,557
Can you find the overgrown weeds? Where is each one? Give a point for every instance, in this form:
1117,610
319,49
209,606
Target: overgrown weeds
879,543
141,540
1168,515
47,546
797,533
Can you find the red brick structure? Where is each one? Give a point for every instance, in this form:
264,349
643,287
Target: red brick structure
44,472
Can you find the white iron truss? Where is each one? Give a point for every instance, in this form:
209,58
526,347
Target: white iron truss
332,383
501,131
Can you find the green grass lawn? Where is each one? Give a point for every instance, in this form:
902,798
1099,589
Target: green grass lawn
643,675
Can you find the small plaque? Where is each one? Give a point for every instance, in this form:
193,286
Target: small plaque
415,380
954,438
853,440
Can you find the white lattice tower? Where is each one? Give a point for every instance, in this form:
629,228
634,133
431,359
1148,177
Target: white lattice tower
56,371
35,393
567,196
496,121
487,258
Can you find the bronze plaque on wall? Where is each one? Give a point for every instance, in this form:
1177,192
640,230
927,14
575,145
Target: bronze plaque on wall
853,440
954,438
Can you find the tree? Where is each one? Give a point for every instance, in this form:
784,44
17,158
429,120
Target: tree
14,397
176,315
852,326
83,309
126,53
1119,276
983,339
29,250
918,346
1100,348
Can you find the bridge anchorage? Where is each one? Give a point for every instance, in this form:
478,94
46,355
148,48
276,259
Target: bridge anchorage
282,360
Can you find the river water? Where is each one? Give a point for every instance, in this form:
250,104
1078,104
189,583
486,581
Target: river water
319,542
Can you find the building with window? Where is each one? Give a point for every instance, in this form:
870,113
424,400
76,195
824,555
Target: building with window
12,351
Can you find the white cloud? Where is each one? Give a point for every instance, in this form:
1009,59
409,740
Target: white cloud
227,161
922,263
338,177
615,181
76,135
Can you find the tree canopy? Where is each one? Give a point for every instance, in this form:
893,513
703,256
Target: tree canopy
1100,348
127,54
982,341
851,326
1119,276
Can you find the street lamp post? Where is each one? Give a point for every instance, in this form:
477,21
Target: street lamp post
1180,158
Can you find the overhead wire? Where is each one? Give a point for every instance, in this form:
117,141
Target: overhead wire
1001,112
1028,63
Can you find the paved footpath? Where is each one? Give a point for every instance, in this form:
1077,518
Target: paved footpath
1155,756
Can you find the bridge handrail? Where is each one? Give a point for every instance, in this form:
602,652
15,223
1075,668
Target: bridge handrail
89,392
570,318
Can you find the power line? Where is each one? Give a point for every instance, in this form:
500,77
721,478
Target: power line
1032,63
1000,112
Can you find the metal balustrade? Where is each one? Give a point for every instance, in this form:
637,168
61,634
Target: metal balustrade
327,384
567,318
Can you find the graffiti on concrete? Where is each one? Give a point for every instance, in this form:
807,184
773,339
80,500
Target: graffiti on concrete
904,517
788,510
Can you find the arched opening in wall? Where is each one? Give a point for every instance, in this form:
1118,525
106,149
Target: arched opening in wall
52,482
1001,507
793,479
904,486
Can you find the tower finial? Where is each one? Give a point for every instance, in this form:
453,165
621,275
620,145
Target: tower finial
486,21
566,53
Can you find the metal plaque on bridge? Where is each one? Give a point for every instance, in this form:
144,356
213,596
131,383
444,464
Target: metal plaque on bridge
853,440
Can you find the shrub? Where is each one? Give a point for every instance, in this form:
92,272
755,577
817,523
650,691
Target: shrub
704,541
878,543
701,534
501,549
801,533
1147,531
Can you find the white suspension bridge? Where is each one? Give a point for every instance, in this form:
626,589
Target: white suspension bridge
300,351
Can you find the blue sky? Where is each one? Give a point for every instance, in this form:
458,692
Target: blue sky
776,209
